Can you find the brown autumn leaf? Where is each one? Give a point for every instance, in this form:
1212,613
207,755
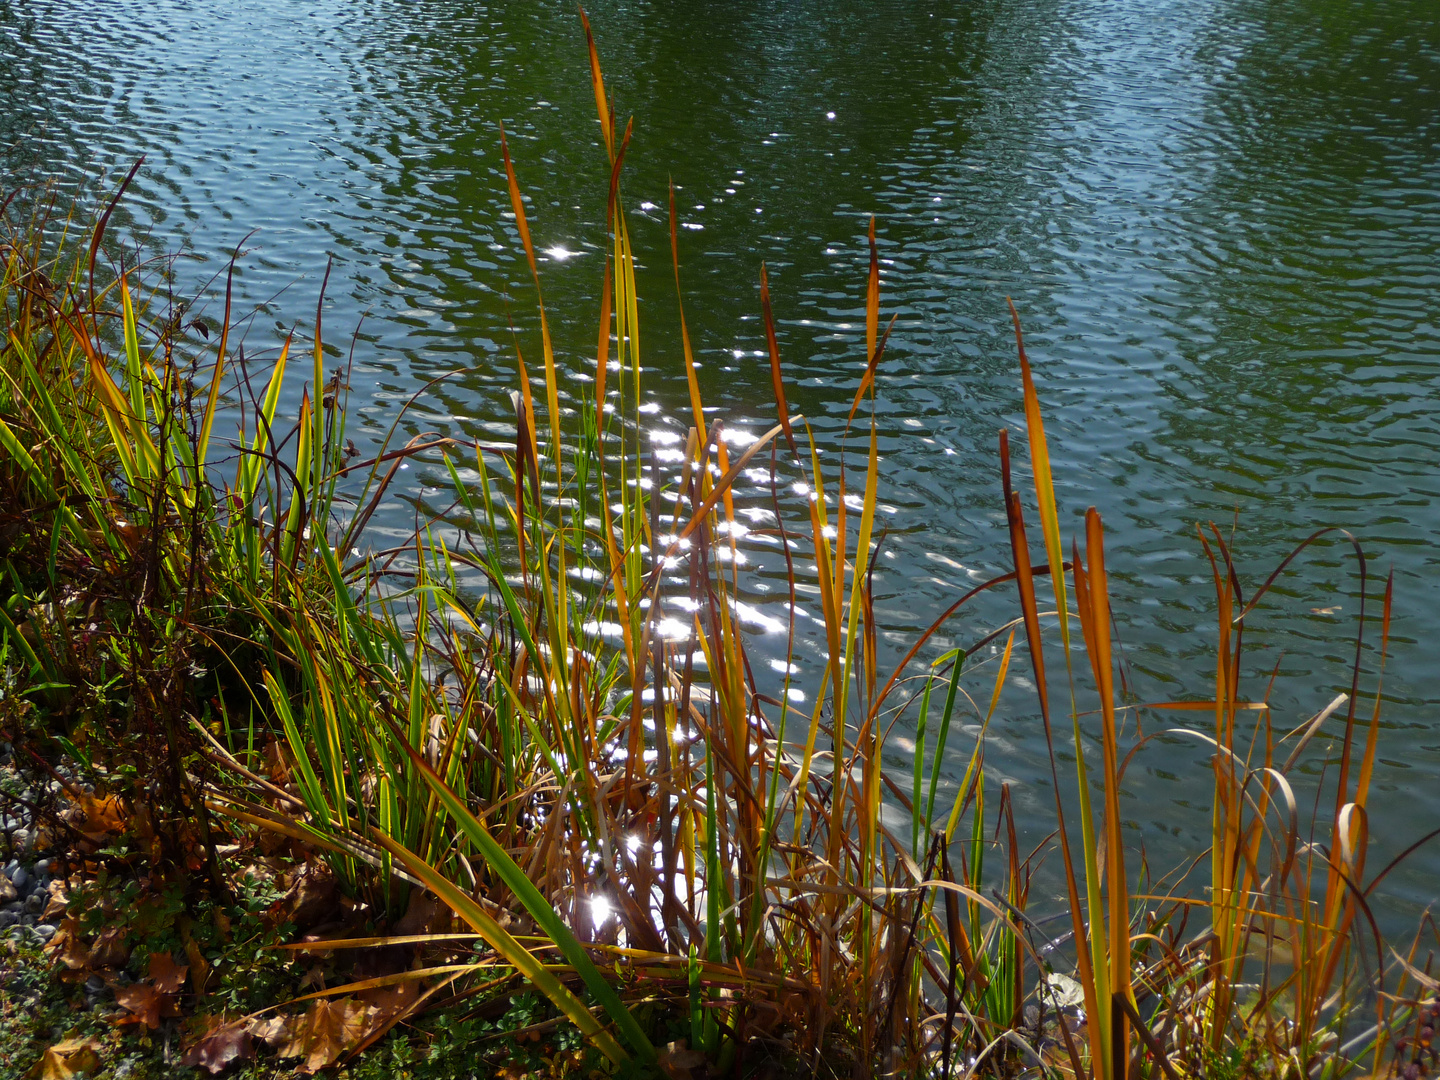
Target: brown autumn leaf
314,977
98,819
422,912
275,1030
389,1004
57,902
199,968
142,1002
389,1001
276,767
110,949
43,839
218,1048
311,896
66,948
327,1030
64,1060
166,974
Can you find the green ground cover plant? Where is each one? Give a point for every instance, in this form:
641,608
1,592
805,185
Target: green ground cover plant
324,805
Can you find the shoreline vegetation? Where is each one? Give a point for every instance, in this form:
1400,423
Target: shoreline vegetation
290,803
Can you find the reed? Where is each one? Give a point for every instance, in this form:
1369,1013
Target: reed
536,752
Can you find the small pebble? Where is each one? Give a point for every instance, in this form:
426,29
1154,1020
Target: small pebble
35,903
8,919
45,931
19,878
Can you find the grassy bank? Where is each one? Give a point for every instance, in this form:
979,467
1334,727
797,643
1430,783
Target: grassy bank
316,805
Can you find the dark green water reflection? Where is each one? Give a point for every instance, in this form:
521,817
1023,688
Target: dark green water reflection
1220,220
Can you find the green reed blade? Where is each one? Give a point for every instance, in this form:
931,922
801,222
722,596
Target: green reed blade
539,908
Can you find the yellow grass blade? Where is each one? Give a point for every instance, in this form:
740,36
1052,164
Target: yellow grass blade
775,378
1097,634
1367,763
607,126
552,393
1044,484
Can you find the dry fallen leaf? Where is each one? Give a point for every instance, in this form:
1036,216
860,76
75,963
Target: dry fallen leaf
110,949
67,948
421,912
43,839
327,1031
97,820
199,968
275,1030
219,1047
73,1057
58,901
166,974
276,766
312,896
143,1002
391,1001
314,977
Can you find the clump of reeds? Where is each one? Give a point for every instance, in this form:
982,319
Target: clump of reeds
613,819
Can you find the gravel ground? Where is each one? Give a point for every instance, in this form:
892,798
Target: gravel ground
25,878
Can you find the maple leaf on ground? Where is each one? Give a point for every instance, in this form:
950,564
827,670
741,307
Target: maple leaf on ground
218,1048
312,895
110,949
422,911
166,974
389,1005
67,948
391,1001
143,1002
64,1060
275,1030
327,1031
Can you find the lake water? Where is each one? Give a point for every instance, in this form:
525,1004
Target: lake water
1219,220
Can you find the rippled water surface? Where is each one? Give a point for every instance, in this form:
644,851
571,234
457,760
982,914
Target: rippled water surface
1219,219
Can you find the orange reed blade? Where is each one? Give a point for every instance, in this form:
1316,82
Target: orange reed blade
775,361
